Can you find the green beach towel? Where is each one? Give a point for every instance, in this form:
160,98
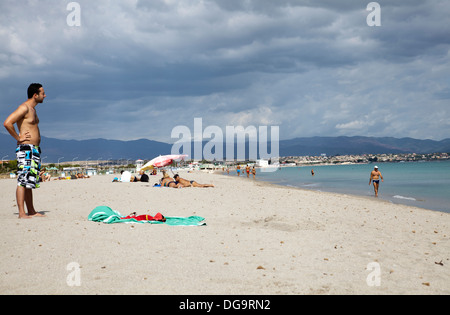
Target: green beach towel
107,215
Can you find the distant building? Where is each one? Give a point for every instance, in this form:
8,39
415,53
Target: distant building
91,171
139,164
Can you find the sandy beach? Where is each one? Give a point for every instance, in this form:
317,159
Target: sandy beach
258,239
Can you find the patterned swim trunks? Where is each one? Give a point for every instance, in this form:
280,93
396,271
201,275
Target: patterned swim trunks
28,165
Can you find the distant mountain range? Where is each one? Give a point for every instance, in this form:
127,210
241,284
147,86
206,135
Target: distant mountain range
360,145
94,149
101,149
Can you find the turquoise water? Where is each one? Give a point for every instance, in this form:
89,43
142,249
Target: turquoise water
419,184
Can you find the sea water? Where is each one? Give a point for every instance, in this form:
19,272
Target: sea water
420,184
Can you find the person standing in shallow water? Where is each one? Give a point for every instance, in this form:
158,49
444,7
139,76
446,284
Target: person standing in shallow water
375,177
28,152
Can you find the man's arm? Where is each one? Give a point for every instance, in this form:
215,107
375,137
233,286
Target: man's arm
18,114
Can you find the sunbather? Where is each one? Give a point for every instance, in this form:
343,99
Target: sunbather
44,176
143,177
167,181
189,183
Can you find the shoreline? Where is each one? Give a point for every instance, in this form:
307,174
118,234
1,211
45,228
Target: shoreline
425,200
259,238
364,197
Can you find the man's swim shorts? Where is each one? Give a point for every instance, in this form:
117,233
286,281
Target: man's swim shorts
28,165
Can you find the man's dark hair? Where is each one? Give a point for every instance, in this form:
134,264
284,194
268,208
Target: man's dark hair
33,89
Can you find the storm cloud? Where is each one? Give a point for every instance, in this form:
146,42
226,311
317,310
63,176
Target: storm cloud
136,69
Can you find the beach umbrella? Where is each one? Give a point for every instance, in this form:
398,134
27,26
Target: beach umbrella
162,160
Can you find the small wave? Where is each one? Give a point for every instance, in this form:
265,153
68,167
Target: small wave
310,185
405,198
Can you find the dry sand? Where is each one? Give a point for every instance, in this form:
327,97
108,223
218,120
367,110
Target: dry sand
259,239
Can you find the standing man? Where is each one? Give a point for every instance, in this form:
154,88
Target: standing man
375,176
28,153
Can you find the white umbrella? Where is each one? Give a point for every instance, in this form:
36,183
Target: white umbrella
162,160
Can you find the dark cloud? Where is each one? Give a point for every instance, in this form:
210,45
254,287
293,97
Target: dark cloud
136,69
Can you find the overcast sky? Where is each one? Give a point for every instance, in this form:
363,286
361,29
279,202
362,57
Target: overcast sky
136,69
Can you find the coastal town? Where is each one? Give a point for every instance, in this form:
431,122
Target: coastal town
323,159
361,159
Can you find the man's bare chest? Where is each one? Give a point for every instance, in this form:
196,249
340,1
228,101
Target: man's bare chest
32,117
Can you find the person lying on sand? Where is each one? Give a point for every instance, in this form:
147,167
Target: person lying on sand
167,181
142,178
187,183
44,176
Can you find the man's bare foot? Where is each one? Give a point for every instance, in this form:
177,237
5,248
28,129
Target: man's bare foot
25,216
36,214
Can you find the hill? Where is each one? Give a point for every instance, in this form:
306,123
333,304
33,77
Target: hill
94,149
360,145
102,149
